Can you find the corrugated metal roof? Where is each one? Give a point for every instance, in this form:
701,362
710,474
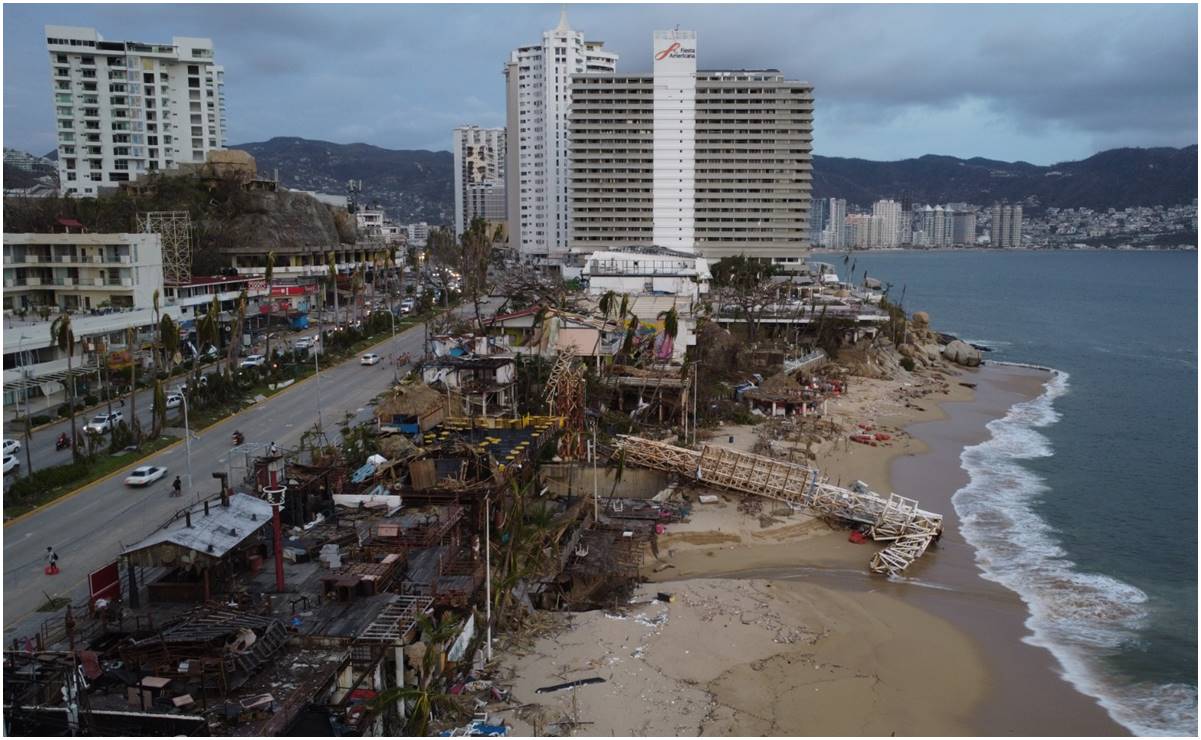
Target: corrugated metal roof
224,528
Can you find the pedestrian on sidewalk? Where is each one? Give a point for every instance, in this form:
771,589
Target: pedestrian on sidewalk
51,561
177,487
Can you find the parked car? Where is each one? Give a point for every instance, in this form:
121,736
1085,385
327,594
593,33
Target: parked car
103,422
174,400
305,343
11,447
11,463
253,361
369,359
407,305
145,475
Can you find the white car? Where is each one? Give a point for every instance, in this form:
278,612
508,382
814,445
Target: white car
102,423
174,400
369,359
304,343
11,447
11,463
253,361
407,305
145,475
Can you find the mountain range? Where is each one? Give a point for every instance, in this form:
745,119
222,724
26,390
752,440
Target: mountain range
418,185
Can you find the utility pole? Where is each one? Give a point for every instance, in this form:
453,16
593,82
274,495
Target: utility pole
488,570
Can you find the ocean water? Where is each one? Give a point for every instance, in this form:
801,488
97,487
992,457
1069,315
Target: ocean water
1084,500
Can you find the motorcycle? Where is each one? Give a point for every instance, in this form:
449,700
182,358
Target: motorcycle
238,439
62,442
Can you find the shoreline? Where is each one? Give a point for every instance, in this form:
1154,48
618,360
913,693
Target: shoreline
968,628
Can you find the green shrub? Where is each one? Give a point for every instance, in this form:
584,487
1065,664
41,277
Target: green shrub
908,363
41,419
48,478
90,400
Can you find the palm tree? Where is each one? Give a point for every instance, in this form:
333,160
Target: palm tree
158,409
62,336
356,287
426,696
236,334
333,280
168,332
208,332
606,303
270,275
671,330
154,301
134,424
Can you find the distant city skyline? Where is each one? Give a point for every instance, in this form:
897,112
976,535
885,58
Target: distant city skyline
1042,84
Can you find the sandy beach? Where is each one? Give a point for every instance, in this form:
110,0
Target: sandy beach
777,627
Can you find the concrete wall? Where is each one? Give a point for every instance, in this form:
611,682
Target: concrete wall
635,482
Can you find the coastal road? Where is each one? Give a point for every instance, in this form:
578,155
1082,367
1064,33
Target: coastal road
89,528
42,449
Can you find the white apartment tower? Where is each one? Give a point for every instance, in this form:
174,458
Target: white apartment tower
835,233
538,87
479,175
123,108
1006,227
712,161
892,223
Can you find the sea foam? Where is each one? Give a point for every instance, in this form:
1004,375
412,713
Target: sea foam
1079,617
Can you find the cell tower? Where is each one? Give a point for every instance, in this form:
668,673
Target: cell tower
175,230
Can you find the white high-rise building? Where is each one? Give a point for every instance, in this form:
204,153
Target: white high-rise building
712,161
835,234
1006,228
892,223
124,108
538,97
479,175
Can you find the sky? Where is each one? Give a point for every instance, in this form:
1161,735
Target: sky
1039,83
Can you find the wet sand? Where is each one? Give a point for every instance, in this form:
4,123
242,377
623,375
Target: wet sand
939,653
1028,696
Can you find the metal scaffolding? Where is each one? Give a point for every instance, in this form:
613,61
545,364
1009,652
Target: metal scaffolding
895,519
175,229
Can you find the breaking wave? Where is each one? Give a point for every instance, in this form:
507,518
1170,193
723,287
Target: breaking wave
1079,617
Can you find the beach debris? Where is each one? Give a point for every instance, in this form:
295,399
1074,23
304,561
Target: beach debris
708,498
666,597
569,685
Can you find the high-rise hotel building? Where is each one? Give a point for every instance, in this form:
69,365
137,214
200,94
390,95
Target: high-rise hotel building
479,175
713,161
123,108
538,96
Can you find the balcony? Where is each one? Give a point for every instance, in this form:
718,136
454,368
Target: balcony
66,282
33,280
31,259
98,282
66,258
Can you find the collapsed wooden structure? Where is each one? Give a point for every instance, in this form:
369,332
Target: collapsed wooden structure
896,519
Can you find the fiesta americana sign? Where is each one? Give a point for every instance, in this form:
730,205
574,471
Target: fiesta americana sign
676,51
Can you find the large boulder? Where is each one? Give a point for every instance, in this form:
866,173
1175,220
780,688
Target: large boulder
962,353
921,319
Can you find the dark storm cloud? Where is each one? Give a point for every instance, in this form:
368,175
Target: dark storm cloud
1040,83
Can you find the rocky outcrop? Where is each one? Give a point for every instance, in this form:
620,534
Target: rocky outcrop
962,353
284,222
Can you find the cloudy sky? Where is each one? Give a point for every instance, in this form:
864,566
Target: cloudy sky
1041,83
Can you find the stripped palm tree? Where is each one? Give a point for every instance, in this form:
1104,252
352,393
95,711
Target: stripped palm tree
270,276
64,338
236,334
134,425
332,264
208,333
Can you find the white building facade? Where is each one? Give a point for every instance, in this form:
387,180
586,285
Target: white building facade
479,175
1006,228
717,162
124,108
538,98
892,223
81,272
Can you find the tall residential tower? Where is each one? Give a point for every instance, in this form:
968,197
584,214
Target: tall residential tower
713,161
539,94
479,175
124,108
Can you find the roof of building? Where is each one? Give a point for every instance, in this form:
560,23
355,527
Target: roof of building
214,535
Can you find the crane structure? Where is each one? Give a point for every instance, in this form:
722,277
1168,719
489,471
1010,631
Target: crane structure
564,395
895,519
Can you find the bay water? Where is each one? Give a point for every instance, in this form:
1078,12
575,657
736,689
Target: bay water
1084,500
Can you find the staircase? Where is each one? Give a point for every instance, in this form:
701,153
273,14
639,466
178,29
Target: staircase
896,520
